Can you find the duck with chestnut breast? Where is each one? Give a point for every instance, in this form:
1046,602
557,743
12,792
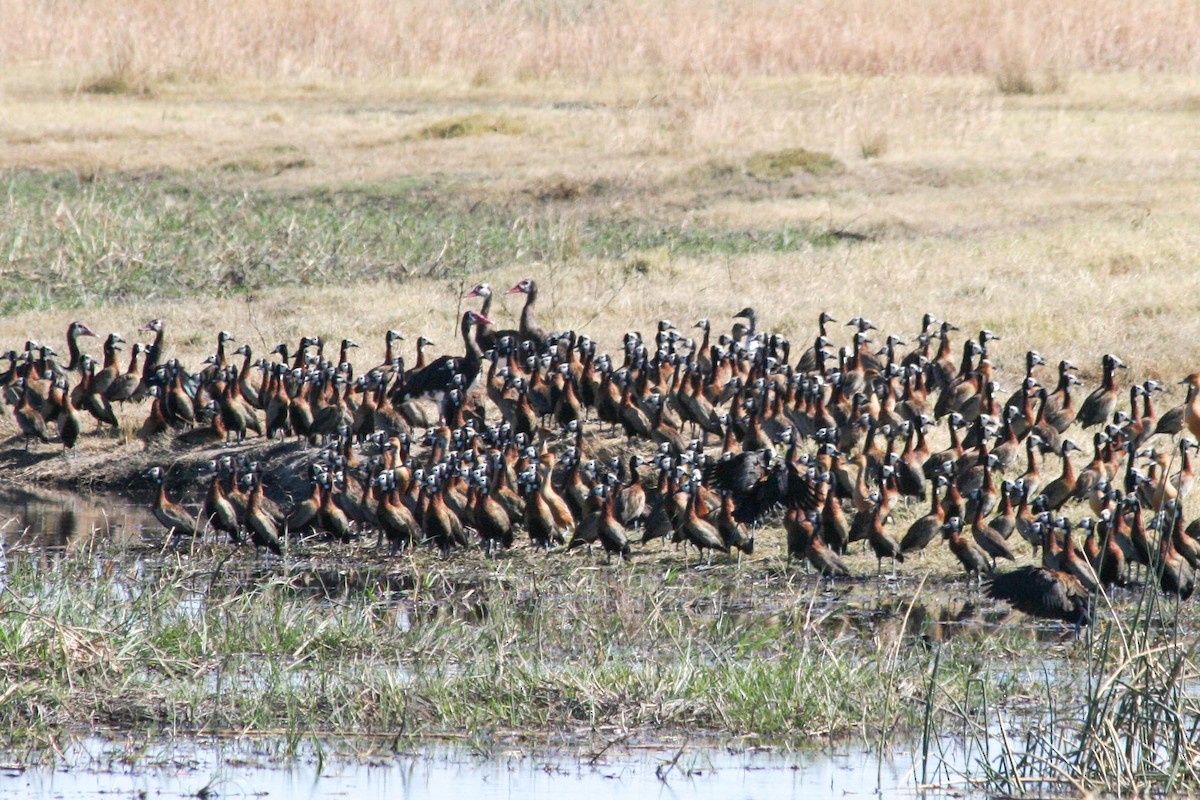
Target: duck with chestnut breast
29,419
172,516
154,358
264,530
1099,406
68,422
123,387
109,372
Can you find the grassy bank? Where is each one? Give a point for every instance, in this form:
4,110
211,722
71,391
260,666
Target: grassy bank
547,651
1026,170
566,653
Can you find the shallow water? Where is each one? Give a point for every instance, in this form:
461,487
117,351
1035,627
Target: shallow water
56,521
230,770
114,528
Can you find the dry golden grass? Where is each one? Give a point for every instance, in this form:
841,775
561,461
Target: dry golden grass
1025,168
114,46
1065,223
1066,219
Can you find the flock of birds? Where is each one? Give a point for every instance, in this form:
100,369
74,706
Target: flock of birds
832,440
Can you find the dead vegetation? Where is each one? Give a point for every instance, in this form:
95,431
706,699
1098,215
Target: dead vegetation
127,45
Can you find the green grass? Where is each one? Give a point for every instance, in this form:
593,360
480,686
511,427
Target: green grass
566,652
471,125
551,655
76,241
785,163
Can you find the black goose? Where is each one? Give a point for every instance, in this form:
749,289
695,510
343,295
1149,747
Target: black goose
435,380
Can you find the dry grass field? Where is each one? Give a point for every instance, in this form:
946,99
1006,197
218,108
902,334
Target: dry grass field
637,158
339,169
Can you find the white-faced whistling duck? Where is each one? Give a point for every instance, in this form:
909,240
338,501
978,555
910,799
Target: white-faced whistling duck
334,519
218,512
810,359
748,331
935,463
1059,490
175,518
423,345
610,531
1112,568
1033,359
539,520
1185,545
660,507
1171,422
942,368
1191,406
1149,411
154,350
587,532
1059,406
965,384
92,401
990,540
68,422
400,526
1072,564
1094,473
1175,574
109,371
973,559
122,388
305,515
926,528
390,352
629,501
822,558
1132,424
733,532
264,531
698,532
1098,407
882,543
1041,592
835,528
29,420
1025,518
1005,520
701,360
921,355
798,529
1129,514
1185,478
